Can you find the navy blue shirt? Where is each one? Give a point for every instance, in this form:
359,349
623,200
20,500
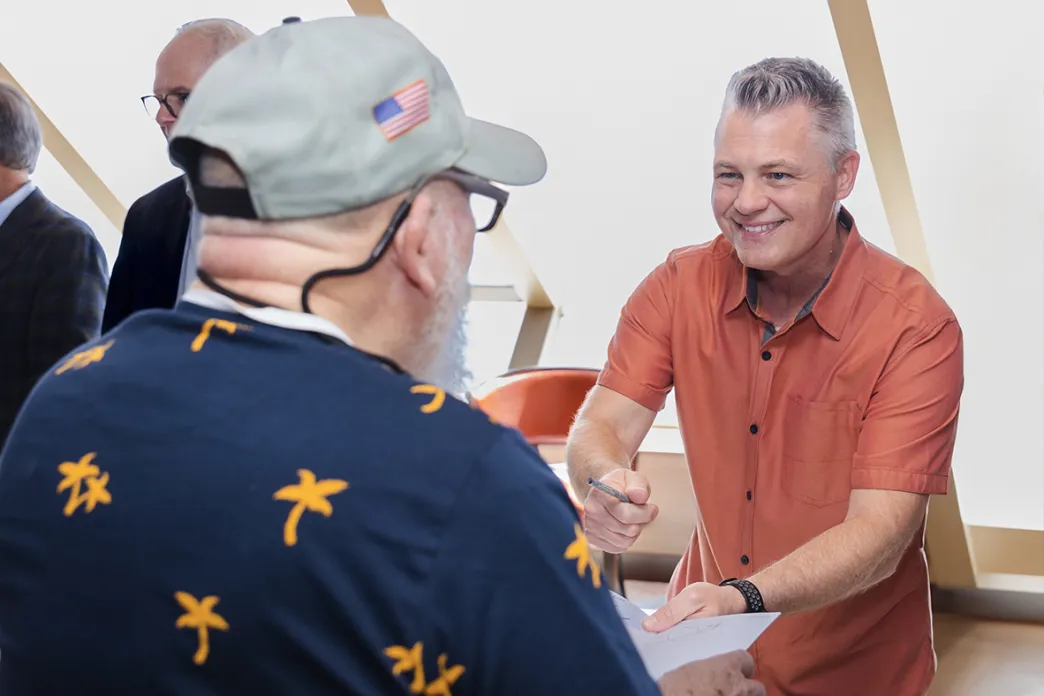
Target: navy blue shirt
200,503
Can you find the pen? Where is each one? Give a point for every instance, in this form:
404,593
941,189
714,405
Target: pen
608,489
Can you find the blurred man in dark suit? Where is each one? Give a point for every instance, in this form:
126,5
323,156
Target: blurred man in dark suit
53,272
157,253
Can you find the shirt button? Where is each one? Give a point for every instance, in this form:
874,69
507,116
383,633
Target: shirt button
766,355
749,495
754,428
744,560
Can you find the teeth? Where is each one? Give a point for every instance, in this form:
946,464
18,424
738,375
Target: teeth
760,228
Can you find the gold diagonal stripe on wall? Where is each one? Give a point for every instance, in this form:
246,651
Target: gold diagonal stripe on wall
72,162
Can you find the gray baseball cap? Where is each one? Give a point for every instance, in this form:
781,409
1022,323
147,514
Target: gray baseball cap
336,114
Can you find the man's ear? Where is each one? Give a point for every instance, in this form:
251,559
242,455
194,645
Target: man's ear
414,245
847,169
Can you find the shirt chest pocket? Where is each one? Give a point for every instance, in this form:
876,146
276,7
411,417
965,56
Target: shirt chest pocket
819,439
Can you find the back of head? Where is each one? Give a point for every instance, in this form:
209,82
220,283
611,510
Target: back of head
337,114
316,130
184,60
222,34
20,136
774,83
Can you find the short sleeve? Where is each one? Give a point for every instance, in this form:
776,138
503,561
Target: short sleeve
908,434
523,604
639,365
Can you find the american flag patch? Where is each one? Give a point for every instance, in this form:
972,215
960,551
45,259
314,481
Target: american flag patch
403,110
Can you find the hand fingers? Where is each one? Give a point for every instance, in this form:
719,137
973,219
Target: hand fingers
629,513
744,662
605,522
610,543
636,486
671,613
606,533
625,514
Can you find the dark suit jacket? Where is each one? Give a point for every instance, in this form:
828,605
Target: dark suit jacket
53,276
148,267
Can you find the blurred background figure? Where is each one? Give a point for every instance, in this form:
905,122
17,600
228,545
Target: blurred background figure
157,257
53,272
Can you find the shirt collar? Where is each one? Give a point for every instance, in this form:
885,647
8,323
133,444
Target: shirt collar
8,205
273,316
832,304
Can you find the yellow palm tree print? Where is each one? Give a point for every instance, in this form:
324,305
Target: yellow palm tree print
228,327
409,660
412,660
74,474
438,397
580,551
200,616
447,678
85,357
310,495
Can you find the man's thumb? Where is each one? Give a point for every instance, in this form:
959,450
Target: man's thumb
660,620
636,486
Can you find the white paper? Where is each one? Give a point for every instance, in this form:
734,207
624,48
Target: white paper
690,640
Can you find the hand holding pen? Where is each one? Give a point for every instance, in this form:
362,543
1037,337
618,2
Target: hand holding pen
617,509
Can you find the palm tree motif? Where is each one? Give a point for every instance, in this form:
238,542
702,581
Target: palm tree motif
409,660
580,551
447,678
438,397
225,325
74,474
200,616
96,492
309,495
83,358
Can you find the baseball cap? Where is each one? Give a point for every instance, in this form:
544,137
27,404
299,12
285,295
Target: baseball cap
336,114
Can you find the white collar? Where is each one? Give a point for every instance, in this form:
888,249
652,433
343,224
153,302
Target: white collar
274,316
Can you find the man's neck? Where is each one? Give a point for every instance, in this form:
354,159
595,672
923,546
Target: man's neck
11,181
782,295
368,333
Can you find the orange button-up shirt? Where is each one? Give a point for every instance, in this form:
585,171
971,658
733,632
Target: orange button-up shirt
860,391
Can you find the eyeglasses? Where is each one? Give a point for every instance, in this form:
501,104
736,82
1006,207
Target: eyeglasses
173,103
486,200
487,203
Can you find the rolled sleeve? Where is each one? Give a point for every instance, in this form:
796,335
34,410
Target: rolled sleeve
908,434
639,364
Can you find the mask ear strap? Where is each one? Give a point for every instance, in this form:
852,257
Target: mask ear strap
209,281
401,213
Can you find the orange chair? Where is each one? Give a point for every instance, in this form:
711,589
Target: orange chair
541,403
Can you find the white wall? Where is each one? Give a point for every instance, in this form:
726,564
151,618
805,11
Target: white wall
967,85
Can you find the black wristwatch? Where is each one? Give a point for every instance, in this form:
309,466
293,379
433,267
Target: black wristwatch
750,593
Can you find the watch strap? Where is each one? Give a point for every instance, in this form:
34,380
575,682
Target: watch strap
750,592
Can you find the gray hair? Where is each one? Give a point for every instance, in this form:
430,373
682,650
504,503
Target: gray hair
224,34
774,83
20,136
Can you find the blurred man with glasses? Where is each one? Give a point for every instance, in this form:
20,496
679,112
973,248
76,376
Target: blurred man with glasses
271,489
156,260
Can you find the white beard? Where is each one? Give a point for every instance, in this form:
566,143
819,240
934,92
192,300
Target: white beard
448,368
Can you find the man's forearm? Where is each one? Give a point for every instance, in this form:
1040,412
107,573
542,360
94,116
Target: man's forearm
839,563
593,451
